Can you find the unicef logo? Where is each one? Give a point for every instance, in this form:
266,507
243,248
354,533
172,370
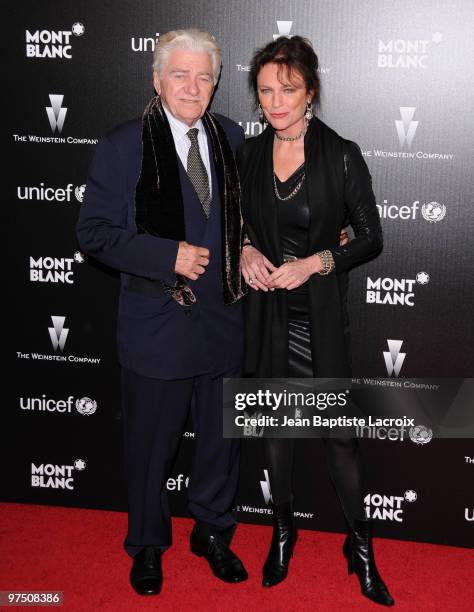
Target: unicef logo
79,465
433,211
78,29
410,495
86,405
79,257
422,278
79,193
419,434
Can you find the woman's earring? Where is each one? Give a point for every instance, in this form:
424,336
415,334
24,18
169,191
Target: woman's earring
309,111
261,116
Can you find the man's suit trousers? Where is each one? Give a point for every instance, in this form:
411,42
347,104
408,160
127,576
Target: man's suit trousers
154,416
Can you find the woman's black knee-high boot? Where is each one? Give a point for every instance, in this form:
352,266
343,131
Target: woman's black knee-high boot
283,541
360,559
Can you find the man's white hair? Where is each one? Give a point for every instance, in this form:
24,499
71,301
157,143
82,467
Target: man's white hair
191,39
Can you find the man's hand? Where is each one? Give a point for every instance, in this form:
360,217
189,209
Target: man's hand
191,261
343,238
255,268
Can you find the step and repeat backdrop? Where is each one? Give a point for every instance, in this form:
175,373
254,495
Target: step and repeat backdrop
395,79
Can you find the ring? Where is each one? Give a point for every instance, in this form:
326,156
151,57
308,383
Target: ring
251,280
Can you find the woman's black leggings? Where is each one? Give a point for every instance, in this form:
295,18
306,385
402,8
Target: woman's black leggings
343,461
342,454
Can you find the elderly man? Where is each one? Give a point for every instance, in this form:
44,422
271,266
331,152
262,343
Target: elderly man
162,207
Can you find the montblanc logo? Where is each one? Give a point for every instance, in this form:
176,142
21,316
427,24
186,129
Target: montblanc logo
52,44
43,405
252,431
284,29
394,291
265,484
394,358
53,476
56,112
406,127
54,269
42,193
142,44
419,434
58,333
388,507
406,53
430,211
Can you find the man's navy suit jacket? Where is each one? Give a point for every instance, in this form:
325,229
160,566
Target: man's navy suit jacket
156,336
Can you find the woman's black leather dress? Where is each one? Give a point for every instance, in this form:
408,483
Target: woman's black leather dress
294,223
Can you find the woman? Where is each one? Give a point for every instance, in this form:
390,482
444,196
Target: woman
300,181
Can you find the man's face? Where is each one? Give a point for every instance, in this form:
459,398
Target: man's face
186,84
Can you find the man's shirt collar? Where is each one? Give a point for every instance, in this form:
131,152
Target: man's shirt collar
178,128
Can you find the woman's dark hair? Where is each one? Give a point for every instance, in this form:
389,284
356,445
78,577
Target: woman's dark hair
294,54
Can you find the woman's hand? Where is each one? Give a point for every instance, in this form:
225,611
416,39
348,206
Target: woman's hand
293,274
255,268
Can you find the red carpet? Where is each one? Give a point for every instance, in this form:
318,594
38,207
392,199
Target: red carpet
80,553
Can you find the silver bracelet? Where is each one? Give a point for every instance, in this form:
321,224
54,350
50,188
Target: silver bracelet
327,260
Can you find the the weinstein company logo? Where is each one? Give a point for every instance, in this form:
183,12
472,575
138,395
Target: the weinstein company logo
406,127
267,496
56,112
265,484
284,29
58,333
393,357
56,115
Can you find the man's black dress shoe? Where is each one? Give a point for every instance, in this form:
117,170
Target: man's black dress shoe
146,576
214,548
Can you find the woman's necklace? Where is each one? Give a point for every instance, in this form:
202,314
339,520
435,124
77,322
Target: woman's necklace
292,138
293,193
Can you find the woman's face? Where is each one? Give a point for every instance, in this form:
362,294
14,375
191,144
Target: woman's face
283,101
